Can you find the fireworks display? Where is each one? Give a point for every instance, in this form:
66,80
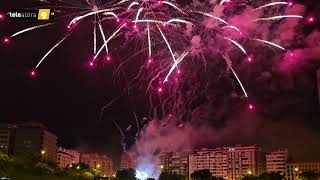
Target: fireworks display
175,39
160,22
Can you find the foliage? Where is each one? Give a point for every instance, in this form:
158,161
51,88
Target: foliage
43,168
309,175
126,174
170,176
265,176
271,176
204,174
250,177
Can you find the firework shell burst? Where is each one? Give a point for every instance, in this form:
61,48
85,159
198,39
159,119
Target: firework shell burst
178,40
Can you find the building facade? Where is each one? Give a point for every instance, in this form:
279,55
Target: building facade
6,137
276,161
100,162
175,162
216,160
245,160
74,153
33,138
128,161
64,159
229,162
293,170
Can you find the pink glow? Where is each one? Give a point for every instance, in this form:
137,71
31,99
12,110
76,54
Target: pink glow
178,71
108,58
311,19
227,1
290,3
91,64
166,80
251,107
164,24
6,40
249,59
1,16
149,61
33,73
291,54
135,26
160,90
125,24
118,20
159,2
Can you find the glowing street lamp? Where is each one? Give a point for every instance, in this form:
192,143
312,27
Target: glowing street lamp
43,152
98,165
78,167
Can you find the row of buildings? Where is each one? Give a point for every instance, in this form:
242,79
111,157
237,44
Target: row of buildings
32,138
228,162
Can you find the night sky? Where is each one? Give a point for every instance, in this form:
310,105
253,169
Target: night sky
67,96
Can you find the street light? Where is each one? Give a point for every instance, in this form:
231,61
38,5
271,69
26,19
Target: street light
98,165
249,172
43,152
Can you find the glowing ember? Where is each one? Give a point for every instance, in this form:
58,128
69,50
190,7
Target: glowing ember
33,73
311,19
6,40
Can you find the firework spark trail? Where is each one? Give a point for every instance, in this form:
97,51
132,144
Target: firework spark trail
95,37
235,74
78,18
237,44
110,14
172,5
211,16
123,136
270,4
180,59
149,41
103,36
232,27
168,45
56,45
179,21
270,43
133,4
137,16
106,44
278,17
31,28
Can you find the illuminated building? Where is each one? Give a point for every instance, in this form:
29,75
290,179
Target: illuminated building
66,157
176,163
128,161
245,160
100,162
293,170
32,138
276,161
6,134
229,162
213,159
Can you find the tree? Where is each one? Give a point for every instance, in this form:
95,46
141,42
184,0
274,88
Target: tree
126,174
42,168
309,175
204,174
271,176
170,176
250,177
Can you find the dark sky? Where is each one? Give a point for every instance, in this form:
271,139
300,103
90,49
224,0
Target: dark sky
67,96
